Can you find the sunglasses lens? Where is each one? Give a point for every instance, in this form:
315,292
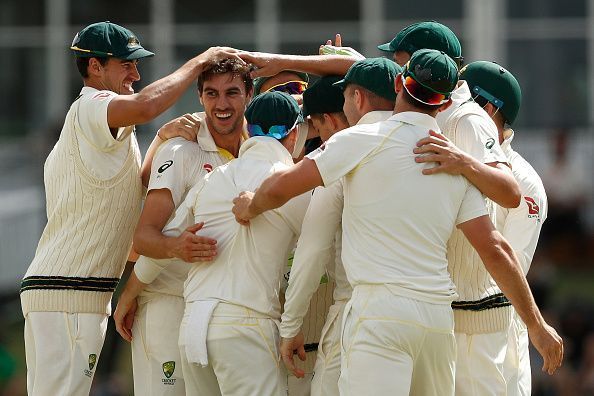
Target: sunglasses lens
423,94
291,87
275,131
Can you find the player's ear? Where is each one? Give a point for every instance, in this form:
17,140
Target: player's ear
398,83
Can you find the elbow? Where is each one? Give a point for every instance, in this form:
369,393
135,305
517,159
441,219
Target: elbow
138,243
515,197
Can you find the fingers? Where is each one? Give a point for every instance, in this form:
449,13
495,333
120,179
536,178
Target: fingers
435,140
301,353
196,227
328,42
338,40
125,333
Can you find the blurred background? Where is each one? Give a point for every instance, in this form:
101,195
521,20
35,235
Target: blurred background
547,44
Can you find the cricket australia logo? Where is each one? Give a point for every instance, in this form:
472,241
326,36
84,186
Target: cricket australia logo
168,370
92,362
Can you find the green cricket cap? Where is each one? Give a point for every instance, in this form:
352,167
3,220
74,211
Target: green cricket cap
375,74
259,81
426,35
433,70
272,114
496,84
323,97
108,39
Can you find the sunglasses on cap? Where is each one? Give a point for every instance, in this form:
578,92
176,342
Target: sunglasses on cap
276,131
423,94
290,87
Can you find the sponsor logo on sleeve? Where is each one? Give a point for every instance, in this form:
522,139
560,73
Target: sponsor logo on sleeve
533,208
490,143
164,167
207,167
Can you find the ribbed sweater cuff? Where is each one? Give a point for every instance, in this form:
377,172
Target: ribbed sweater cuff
65,301
488,321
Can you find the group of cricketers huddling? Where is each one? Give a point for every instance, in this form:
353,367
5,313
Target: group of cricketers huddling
412,226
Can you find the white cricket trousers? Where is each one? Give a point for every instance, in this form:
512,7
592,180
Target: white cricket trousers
479,366
327,368
394,345
155,351
243,355
62,351
517,360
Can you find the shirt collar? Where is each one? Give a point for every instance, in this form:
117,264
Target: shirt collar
417,119
374,116
204,138
461,94
265,148
508,136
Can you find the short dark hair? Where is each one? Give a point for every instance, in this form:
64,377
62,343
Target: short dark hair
82,64
227,65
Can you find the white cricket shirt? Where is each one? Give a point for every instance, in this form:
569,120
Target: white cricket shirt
521,226
396,221
248,268
177,166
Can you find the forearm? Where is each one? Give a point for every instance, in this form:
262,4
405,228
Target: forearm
133,287
163,93
503,266
150,242
319,65
496,183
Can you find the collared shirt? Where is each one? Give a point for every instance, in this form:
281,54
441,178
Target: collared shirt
319,248
177,166
248,267
396,221
521,226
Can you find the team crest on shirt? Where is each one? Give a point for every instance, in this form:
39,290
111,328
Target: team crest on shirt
533,208
207,167
168,370
490,143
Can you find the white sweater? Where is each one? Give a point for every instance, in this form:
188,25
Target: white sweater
84,246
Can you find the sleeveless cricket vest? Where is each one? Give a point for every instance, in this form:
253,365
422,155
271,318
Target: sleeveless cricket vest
481,307
84,246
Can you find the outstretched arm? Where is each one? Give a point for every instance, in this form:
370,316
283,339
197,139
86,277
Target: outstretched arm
125,110
321,65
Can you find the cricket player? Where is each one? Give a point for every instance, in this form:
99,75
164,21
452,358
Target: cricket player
224,90
319,247
398,326
469,146
93,193
498,92
229,333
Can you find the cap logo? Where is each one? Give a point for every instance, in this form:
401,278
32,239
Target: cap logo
133,42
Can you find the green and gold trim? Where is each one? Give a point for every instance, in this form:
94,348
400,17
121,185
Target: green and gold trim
106,285
495,301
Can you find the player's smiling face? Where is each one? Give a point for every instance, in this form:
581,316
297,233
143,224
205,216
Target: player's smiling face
224,99
118,75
